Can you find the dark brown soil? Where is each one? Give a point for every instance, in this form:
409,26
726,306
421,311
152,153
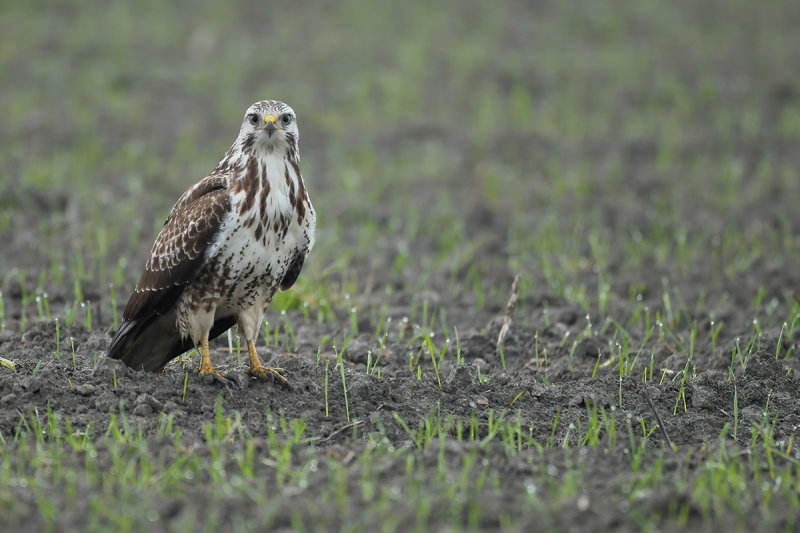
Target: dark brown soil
71,376
76,388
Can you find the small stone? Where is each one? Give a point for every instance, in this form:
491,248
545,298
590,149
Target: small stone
703,398
143,409
86,389
32,384
103,401
150,400
8,398
110,368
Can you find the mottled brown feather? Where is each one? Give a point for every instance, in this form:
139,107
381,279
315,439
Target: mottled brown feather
177,254
156,328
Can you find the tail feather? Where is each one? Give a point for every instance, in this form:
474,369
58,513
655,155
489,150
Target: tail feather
150,343
146,343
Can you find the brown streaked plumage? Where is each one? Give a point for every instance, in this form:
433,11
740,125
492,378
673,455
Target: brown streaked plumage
230,242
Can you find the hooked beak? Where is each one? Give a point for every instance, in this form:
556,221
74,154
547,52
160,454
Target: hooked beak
269,124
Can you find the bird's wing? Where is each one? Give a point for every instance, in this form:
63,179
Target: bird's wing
178,252
294,271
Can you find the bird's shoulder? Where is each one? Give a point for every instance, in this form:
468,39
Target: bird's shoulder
213,183
178,251
192,223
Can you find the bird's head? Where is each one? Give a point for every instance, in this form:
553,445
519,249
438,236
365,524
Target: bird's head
269,126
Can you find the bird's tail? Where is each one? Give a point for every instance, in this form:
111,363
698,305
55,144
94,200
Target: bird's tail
148,343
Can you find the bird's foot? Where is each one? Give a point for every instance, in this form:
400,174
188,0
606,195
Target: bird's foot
272,374
216,376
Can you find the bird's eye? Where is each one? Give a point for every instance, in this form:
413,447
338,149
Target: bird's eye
286,118
253,118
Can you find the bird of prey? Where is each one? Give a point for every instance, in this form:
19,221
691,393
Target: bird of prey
229,243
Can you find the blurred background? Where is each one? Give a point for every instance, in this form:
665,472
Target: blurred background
597,147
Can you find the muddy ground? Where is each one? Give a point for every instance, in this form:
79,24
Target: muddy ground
535,390
66,370
87,394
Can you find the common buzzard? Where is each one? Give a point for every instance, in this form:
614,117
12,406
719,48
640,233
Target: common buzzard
229,243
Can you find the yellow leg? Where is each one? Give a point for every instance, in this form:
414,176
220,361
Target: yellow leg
264,372
205,360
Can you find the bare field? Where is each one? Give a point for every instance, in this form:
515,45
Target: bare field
635,163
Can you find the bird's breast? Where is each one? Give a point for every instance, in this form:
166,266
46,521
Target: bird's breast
270,221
